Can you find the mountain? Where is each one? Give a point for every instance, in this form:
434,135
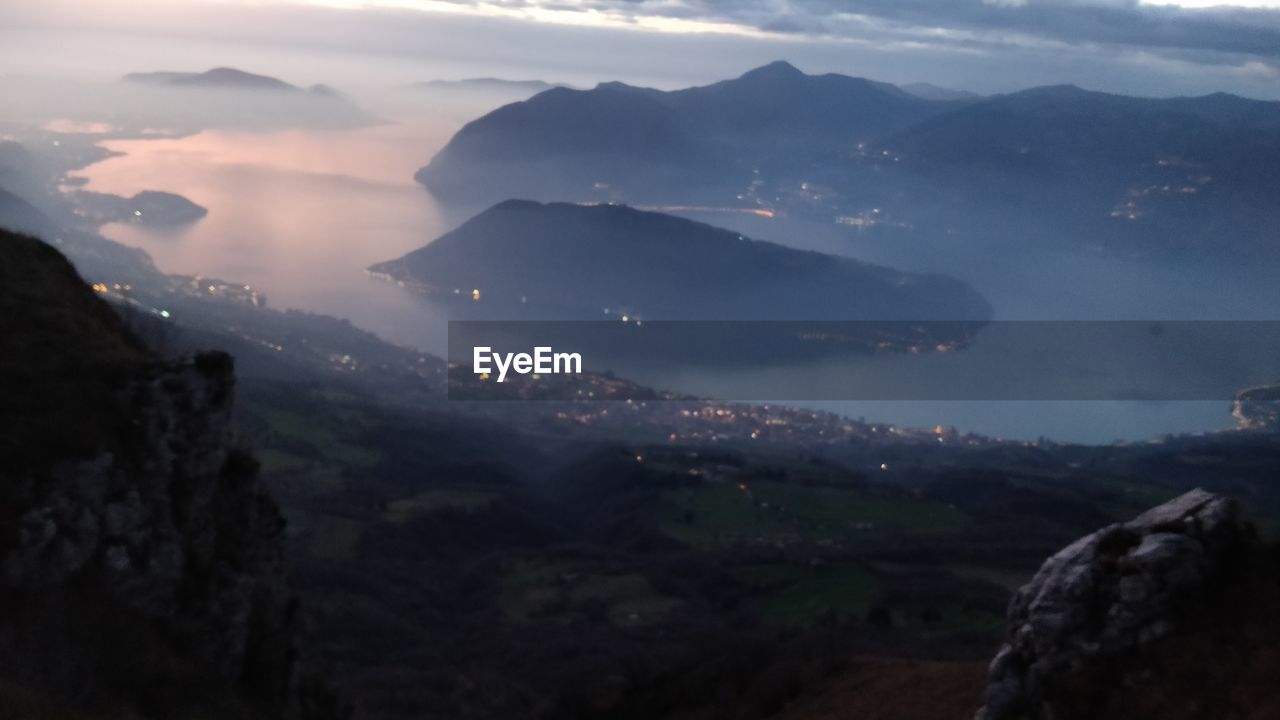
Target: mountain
230,98
668,146
18,214
142,566
222,77
488,84
929,91
1135,175
576,259
1067,124
152,208
1052,167
19,169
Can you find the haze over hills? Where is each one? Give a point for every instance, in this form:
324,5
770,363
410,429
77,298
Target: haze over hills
221,77
18,214
1195,175
1054,165
717,562
724,565
149,207
488,83
576,260
929,91
228,97
246,480
640,140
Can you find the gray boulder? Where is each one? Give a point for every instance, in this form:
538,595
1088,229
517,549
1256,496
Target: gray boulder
1095,607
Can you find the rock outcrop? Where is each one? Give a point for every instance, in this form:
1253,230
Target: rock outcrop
1170,615
182,535
141,557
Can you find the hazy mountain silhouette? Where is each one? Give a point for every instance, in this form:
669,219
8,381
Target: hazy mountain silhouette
20,215
1070,125
221,77
1144,176
488,84
149,207
227,97
578,259
1053,164
929,91
666,145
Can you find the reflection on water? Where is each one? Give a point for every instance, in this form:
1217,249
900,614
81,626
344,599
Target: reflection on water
297,214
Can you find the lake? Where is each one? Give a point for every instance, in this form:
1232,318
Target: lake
299,214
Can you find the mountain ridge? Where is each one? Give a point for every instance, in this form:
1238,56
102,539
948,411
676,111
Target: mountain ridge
1056,165
218,77
142,565
581,258
631,137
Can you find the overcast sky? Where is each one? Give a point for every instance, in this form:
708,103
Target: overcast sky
1133,46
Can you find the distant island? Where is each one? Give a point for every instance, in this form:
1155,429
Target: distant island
223,77
228,97
596,262
151,208
1056,166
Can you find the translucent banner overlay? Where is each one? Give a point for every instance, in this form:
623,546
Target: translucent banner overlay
776,361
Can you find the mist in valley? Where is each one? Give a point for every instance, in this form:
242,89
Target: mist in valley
857,285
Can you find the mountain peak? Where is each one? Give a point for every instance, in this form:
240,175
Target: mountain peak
215,77
568,261
1065,91
780,69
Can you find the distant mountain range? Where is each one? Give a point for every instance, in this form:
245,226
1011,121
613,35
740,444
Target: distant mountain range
1053,164
660,145
227,97
488,84
225,78
576,261
929,91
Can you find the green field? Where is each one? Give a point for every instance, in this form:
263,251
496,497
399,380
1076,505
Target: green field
326,536
405,509
312,435
801,595
558,591
770,512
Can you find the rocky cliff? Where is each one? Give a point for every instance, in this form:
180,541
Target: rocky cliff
141,557
1171,615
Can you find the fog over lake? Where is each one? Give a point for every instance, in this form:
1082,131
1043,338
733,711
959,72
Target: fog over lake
297,214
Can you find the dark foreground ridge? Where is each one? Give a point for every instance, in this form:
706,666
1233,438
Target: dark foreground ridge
1171,615
141,558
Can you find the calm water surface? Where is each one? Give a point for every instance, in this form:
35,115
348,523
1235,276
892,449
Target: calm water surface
297,214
